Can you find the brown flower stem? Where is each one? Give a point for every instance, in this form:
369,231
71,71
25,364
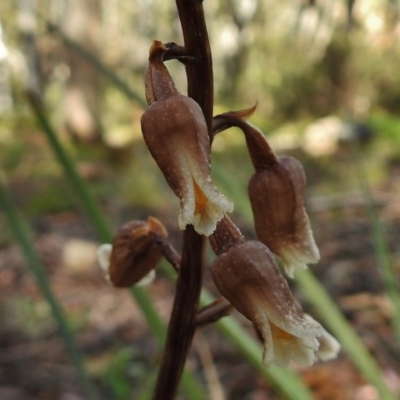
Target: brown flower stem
226,120
262,155
199,68
176,52
213,312
188,287
168,251
182,324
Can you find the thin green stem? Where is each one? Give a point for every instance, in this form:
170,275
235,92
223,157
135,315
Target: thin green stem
22,234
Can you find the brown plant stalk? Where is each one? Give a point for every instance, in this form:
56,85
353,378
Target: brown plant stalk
183,318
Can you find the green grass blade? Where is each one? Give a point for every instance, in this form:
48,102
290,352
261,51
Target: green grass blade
343,331
90,205
22,235
381,249
95,62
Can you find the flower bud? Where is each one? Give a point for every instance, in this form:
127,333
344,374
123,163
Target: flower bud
248,276
175,132
133,254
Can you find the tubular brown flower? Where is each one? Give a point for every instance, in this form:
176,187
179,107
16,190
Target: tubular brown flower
175,132
276,192
133,254
248,276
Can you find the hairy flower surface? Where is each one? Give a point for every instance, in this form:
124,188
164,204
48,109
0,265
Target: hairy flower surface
248,276
176,134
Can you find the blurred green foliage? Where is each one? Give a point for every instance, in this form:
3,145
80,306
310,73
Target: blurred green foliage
300,62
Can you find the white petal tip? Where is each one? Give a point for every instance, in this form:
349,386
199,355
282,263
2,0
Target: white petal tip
103,256
147,279
329,347
294,258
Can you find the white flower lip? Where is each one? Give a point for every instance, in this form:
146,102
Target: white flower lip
103,256
202,205
329,347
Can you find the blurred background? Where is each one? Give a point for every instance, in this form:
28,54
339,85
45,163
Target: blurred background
326,78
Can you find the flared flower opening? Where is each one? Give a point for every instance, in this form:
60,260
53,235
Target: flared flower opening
295,253
288,347
329,347
287,332
287,317
202,205
282,346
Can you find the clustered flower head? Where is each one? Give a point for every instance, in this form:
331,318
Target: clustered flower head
245,272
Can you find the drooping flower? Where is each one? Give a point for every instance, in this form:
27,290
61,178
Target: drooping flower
281,221
276,192
175,132
133,255
246,273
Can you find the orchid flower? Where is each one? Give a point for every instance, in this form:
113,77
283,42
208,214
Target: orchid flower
175,132
246,273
